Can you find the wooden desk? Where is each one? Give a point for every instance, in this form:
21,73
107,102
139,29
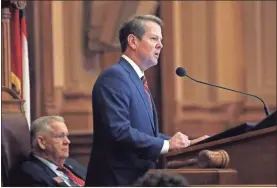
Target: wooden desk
252,154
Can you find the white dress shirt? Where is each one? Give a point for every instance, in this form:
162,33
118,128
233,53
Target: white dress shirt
140,74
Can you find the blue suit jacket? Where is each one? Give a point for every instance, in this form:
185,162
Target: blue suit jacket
126,139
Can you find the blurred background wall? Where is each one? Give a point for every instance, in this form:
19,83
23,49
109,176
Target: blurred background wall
229,43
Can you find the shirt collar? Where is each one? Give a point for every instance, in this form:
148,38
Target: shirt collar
139,72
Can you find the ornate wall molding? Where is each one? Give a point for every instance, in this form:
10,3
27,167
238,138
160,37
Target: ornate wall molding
6,7
77,111
106,18
19,4
10,99
6,47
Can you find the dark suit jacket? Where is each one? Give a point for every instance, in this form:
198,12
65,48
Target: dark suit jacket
127,141
34,172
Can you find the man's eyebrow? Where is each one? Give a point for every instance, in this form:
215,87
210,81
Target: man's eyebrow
63,133
157,36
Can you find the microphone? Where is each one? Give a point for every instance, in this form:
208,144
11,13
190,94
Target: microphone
180,71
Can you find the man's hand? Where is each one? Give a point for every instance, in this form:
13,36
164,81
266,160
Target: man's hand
58,179
178,141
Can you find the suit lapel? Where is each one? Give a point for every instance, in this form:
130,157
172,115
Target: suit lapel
48,171
42,165
134,77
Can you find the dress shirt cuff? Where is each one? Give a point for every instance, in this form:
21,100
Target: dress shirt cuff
165,147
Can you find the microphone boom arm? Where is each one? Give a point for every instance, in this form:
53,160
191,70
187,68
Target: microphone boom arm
267,112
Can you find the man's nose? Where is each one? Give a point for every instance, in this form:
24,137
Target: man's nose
66,140
160,45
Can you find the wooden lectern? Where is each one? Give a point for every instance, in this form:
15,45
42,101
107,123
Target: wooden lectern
252,151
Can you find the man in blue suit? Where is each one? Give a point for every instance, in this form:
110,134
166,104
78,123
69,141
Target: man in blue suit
127,141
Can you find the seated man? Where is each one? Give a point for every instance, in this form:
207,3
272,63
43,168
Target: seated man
47,164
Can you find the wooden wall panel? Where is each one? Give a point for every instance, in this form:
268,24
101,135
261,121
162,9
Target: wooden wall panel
227,43
231,44
186,104
76,77
168,65
66,62
260,40
79,80
194,34
240,54
80,147
58,43
109,58
259,20
229,50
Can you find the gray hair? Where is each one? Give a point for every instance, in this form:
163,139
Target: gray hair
136,27
42,125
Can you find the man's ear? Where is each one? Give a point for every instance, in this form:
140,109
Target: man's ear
41,142
132,41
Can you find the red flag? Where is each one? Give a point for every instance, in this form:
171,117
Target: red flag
16,56
19,59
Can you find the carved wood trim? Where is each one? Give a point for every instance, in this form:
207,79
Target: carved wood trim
77,108
6,48
80,147
10,101
168,98
40,37
11,93
47,56
19,4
